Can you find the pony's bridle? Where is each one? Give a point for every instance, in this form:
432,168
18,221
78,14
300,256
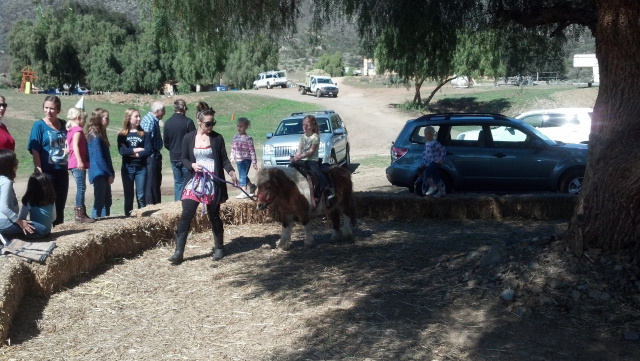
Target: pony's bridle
267,201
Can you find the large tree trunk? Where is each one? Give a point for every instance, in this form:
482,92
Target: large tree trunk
607,215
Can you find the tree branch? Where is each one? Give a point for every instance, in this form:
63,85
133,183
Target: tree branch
562,14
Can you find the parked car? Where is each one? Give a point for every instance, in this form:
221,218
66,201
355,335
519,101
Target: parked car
568,125
501,154
50,91
80,90
334,139
219,88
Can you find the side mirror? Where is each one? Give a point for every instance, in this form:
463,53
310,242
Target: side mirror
269,135
338,131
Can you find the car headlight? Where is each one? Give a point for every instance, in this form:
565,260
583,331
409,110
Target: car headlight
321,148
268,150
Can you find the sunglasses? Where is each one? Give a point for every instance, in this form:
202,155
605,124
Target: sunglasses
3,105
208,124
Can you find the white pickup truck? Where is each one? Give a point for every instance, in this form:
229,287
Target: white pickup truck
269,79
319,85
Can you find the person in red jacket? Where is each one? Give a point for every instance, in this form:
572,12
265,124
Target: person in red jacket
6,140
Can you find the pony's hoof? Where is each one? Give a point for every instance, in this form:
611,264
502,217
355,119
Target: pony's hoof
284,246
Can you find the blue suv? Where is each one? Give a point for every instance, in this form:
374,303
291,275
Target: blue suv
488,152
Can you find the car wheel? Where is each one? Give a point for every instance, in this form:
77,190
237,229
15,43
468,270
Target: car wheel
302,90
572,182
335,95
318,94
347,160
269,86
255,87
446,182
332,159
283,86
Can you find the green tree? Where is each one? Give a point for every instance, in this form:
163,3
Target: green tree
105,71
332,64
250,57
394,52
143,71
27,47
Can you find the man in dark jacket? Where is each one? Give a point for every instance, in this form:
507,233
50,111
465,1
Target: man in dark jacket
174,130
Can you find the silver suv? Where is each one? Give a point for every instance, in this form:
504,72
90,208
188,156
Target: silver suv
334,139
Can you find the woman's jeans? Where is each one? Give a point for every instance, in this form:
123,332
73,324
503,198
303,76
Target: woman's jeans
14,231
179,175
102,197
60,181
243,172
133,175
80,177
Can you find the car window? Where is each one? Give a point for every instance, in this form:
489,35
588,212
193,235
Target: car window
417,136
534,120
509,137
559,120
336,123
323,125
289,126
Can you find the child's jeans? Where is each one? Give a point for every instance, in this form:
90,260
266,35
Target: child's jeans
102,197
80,177
432,171
243,172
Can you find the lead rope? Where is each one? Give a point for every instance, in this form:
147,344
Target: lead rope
207,173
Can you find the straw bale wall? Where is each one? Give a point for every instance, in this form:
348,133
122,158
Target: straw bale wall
82,248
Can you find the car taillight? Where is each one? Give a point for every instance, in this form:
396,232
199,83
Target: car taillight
397,153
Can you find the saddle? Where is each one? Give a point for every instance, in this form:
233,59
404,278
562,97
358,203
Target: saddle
315,185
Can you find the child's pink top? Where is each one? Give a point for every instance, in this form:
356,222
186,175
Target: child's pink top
242,148
82,146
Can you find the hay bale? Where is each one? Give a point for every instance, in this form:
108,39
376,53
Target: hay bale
538,206
14,283
398,207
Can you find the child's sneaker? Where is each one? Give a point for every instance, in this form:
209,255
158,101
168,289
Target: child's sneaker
252,189
431,191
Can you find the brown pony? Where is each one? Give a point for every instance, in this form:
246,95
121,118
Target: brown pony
289,190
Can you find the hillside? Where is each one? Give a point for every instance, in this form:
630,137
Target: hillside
296,52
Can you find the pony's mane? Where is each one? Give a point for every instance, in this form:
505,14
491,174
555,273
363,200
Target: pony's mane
266,173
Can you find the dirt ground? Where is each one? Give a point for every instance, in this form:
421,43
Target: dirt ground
431,290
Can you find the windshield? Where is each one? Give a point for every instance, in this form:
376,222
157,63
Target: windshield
294,126
324,81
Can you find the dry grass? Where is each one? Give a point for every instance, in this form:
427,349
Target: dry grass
413,289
